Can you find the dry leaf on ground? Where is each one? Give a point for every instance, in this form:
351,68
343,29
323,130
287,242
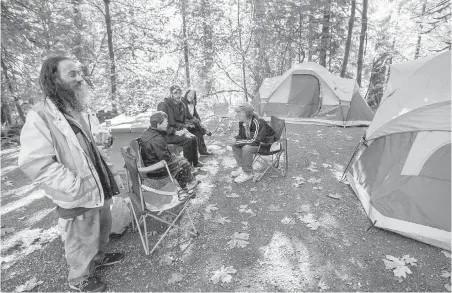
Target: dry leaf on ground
274,208
445,274
317,188
253,189
239,240
399,265
314,180
9,183
175,277
334,195
166,259
326,165
221,220
29,285
322,286
211,207
232,195
223,275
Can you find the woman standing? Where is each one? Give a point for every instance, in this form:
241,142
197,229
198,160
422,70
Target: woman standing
192,117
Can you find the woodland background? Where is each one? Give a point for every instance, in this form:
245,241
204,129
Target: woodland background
131,51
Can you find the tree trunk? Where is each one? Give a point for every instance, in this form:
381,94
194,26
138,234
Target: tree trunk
111,52
418,45
241,51
11,90
185,44
310,29
349,38
78,42
259,65
362,37
324,42
206,73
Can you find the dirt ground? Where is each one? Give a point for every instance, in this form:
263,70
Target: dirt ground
280,252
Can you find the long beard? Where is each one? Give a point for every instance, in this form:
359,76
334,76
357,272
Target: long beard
75,98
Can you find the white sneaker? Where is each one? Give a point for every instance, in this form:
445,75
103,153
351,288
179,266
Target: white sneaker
243,177
237,172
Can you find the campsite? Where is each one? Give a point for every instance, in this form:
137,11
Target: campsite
226,146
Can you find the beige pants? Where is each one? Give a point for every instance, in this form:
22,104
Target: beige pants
85,240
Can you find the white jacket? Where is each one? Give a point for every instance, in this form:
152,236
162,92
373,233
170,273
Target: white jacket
52,156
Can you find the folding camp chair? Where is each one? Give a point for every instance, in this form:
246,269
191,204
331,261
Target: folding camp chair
151,202
277,150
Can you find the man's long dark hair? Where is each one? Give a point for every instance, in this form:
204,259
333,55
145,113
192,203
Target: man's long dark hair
51,88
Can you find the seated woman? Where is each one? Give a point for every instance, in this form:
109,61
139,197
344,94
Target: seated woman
193,119
252,131
154,148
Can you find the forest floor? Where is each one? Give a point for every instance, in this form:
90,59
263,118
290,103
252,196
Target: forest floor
294,237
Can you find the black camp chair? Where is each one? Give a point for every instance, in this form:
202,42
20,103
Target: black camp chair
157,203
277,151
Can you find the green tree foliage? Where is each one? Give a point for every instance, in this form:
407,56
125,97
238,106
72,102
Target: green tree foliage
230,47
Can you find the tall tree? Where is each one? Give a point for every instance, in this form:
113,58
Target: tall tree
242,51
362,38
111,53
185,41
419,36
348,43
324,42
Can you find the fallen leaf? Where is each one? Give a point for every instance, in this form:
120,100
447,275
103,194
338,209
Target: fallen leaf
335,195
222,220
232,195
253,201
409,260
273,208
223,275
239,240
349,137
315,153
445,274
314,180
305,208
317,188
446,253
152,233
313,225
253,189
397,265
287,221
326,166
9,183
166,259
29,285
21,218
211,207
312,169
322,286
175,277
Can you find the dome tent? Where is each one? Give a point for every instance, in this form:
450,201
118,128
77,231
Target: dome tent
402,171
309,93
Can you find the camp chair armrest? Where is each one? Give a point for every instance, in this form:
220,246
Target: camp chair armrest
153,167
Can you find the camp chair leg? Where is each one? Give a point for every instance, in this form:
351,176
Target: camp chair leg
145,247
146,238
191,222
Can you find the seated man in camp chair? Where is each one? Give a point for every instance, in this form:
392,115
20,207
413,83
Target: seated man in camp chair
154,148
252,131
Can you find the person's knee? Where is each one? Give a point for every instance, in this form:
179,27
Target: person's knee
247,148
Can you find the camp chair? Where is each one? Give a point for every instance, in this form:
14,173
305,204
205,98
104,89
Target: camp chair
220,113
277,150
154,203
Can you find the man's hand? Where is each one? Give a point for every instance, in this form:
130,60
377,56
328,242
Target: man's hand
232,141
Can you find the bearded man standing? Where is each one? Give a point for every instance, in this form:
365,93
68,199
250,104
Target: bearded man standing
58,152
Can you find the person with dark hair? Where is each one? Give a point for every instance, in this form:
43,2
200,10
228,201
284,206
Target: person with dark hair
154,148
252,131
177,132
192,117
58,152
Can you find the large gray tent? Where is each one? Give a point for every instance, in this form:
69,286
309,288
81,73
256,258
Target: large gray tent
309,93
